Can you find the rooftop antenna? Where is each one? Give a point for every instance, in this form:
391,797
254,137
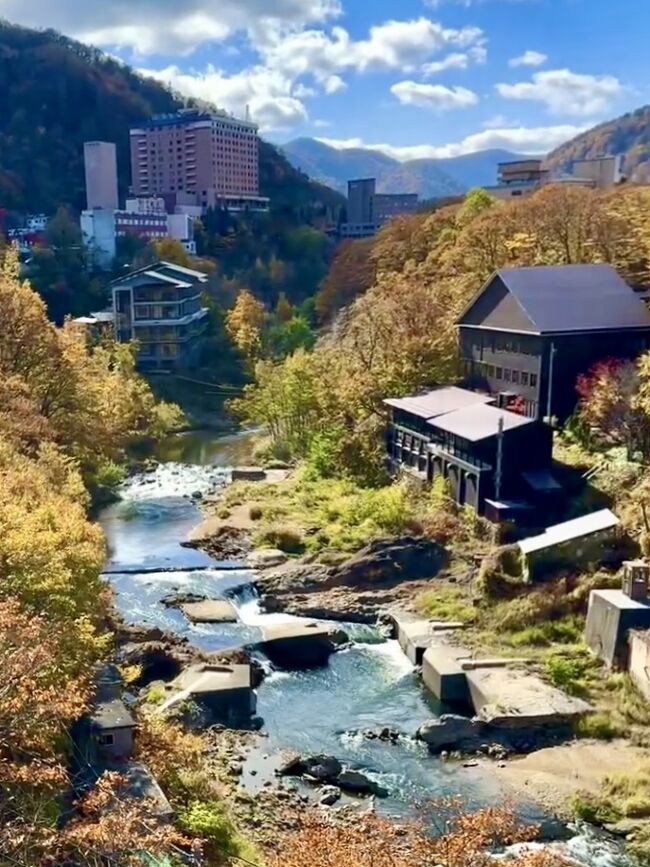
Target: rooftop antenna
248,112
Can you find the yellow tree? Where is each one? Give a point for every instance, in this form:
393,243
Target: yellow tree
244,323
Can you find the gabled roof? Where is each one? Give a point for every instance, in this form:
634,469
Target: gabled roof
567,298
479,422
164,271
112,714
438,401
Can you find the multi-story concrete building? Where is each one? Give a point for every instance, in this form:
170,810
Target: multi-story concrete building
603,172
368,210
100,161
518,178
159,306
522,177
197,158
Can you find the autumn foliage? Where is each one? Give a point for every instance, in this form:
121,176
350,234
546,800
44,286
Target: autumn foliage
464,840
399,335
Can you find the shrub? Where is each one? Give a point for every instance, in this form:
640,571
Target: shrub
596,725
387,508
209,821
255,513
287,539
224,513
570,673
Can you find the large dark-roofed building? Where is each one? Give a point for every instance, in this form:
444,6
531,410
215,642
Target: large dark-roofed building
530,332
485,453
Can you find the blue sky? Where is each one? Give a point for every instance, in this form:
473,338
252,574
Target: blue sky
413,78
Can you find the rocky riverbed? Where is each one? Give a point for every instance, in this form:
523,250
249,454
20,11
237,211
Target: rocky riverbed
330,711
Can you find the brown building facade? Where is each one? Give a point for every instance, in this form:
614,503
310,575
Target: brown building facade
196,158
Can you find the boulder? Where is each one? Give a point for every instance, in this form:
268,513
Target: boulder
248,474
292,765
323,767
266,558
329,795
451,732
158,660
359,784
391,561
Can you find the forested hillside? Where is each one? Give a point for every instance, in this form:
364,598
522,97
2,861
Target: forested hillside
56,93
628,135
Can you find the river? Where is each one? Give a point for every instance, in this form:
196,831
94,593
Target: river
370,685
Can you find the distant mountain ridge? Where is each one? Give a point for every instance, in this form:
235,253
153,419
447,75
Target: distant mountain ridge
431,178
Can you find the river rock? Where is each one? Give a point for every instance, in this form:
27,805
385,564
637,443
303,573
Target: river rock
329,795
292,765
210,611
388,561
451,731
266,558
323,767
222,543
359,784
158,660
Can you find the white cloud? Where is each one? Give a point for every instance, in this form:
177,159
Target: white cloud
333,84
267,93
400,45
529,58
566,92
457,60
148,26
436,97
525,140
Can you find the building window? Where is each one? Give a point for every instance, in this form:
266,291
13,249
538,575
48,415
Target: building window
506,374
490,371
106,740
533,380
524,378
515,376
499,373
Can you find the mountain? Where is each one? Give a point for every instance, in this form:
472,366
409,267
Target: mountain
628,135
56,93
431,178
334,167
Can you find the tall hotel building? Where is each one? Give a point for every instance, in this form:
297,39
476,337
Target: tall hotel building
197,159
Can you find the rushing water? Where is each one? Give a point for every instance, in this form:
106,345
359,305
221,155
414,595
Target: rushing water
369,686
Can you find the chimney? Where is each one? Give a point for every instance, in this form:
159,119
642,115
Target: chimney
635,579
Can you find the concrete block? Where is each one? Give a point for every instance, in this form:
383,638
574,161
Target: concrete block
225,690
414,636
444,677
248,474
210,611
610,617
300,644
511,698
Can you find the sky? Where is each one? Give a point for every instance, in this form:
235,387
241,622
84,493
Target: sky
413,78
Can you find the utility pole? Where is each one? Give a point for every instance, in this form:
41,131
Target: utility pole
549,396
499,471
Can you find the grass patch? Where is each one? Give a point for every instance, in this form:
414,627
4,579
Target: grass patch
446,604
326,514
573,674
598,726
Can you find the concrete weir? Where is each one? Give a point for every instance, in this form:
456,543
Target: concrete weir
415,635
224,690
299,644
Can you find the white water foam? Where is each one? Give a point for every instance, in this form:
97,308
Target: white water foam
393,654
250,613
174,480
